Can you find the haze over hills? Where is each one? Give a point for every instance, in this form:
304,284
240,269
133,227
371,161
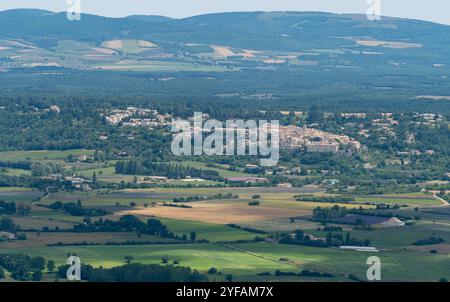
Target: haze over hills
307,50
281,31
322,139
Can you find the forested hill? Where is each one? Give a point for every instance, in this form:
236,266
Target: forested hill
287,59
288,31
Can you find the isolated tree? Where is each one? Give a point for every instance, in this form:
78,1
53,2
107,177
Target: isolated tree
329,238
23,209
299,235
51,266
37,263
36,276
193,236
129,259
7,225
315,115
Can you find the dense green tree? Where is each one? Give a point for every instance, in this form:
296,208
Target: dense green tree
36,275
193,236
51,266
37,263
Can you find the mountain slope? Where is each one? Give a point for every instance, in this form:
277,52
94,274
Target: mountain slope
233,28
258,56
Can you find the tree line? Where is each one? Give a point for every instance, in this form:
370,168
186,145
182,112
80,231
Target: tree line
174,171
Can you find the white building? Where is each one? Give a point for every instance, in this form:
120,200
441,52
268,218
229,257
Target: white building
7,235
359,248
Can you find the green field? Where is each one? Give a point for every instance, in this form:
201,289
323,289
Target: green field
19,195
161,66
426,201
400,260
198,256
401,265
37,222
14,189
57,216
397,237
204,166
108,174
37,240
254,258
209,231
41,154
100,172
16,172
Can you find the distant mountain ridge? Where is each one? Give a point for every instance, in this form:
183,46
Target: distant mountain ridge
27,23
150,18
288,58
260,31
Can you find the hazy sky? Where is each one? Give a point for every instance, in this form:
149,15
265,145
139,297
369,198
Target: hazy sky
432,10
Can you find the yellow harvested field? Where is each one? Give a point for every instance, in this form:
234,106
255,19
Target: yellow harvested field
402,45
434,97
114,44
19,44
247,53
48,64
254,52
223,51
143,43
387,44
105,51
274,61
371,43
219,213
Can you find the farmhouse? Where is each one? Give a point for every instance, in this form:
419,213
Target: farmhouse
322,147
83,158
7,235
76,180
152,179
394,221
251,180
284,185
52,177
190,179
55,109
331,182
360,248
